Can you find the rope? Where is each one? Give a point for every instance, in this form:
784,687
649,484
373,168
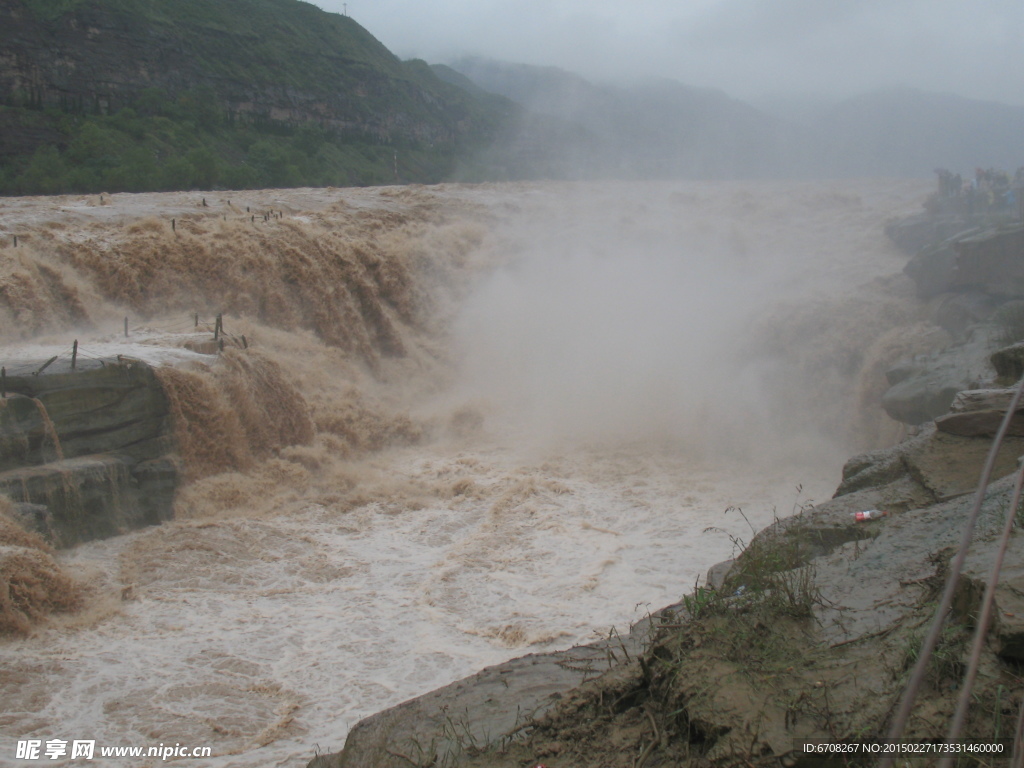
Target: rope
85,353
24,368
187,325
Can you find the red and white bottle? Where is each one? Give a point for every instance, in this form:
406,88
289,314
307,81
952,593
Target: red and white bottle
870,514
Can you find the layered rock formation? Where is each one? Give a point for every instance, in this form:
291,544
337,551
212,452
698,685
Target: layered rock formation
287,62
86,454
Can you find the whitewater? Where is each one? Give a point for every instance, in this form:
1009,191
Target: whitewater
545,411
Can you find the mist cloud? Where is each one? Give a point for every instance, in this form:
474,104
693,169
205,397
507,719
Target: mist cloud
749,48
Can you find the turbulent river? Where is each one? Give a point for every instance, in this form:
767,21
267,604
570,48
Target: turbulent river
570,402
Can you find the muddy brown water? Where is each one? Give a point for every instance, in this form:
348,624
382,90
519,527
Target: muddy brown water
566,404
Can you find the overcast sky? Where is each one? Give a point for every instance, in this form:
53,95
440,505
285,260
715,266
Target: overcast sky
748,48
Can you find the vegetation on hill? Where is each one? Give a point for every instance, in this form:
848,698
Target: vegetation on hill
172,147
131,95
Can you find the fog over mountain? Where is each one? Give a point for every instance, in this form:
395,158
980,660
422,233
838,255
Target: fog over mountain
660,128
751,49
295,96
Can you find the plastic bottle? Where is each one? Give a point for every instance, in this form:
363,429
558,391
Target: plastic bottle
870,514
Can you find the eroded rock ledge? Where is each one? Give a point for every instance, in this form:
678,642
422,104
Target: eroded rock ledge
86,454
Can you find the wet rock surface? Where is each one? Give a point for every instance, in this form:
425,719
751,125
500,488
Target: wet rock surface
1007,630
86,453
979,258
493,704
1009,361
923,388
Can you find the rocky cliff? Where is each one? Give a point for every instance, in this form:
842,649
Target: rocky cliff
138,95
284,61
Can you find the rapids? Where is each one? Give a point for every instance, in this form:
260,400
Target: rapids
476,422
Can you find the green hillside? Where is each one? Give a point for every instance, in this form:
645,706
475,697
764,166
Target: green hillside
131,95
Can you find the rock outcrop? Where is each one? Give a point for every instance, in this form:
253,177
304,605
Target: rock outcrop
452,722
86,454
973,281
923,388
1008,615
979,413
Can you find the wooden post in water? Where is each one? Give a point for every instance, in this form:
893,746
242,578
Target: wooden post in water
174,227
126,326
74,355
15,241
245,344
46,365
197,320
218,326
3,381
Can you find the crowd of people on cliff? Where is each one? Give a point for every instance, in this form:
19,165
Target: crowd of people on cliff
990,190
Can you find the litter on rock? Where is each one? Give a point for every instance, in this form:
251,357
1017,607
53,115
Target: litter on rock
870,514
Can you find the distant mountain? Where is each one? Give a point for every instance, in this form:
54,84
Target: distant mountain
227,74
906,132
656,129
666,129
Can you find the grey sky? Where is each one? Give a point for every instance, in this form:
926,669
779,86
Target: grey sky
748,48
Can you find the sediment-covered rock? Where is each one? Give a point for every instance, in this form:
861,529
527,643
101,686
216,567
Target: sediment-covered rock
913,233
980,413
957,313
932,268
